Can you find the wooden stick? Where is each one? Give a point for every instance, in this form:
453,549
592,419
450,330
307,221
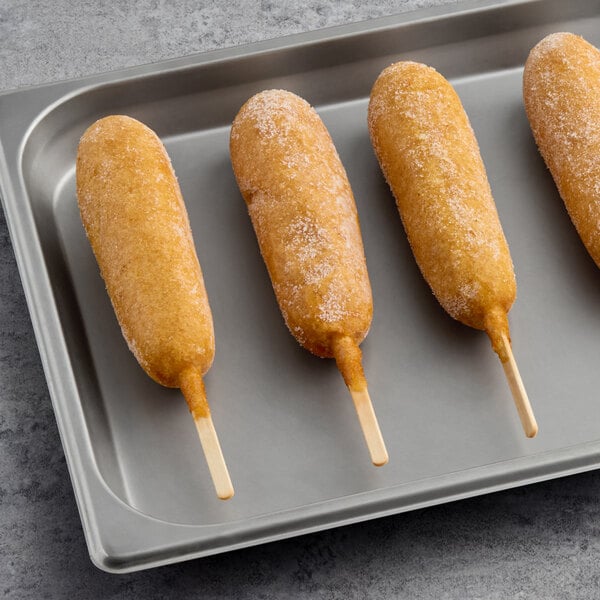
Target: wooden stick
214,457
518,389
349,361
193,390
370,427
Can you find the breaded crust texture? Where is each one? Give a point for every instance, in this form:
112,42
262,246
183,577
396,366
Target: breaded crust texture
431,160
305,218
561,91
134,216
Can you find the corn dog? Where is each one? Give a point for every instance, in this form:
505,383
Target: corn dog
561,90
305,219
430,158
135,219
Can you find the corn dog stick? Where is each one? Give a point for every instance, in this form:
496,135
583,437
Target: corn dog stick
348,358
517,389
194,392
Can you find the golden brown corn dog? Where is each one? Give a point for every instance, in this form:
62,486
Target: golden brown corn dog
430,158
135,219
305,218
561,90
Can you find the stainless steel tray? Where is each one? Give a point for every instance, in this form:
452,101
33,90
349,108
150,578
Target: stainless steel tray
285,420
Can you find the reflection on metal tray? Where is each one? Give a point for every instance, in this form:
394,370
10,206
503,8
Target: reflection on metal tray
285,420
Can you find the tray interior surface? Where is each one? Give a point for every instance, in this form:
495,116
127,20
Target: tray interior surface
286,422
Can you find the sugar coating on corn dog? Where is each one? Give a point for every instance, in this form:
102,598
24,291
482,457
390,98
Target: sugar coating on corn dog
134,216
431,160
306,223
305,218
561,91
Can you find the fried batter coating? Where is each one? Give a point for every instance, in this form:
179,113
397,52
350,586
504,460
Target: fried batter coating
561,90
431,160
305,218
134,216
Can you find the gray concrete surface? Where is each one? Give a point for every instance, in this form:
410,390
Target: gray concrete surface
542,541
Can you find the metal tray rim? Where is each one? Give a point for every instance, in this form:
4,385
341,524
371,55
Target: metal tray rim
381,503
418,15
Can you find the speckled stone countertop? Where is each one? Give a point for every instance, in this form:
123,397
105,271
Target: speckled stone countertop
541,541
